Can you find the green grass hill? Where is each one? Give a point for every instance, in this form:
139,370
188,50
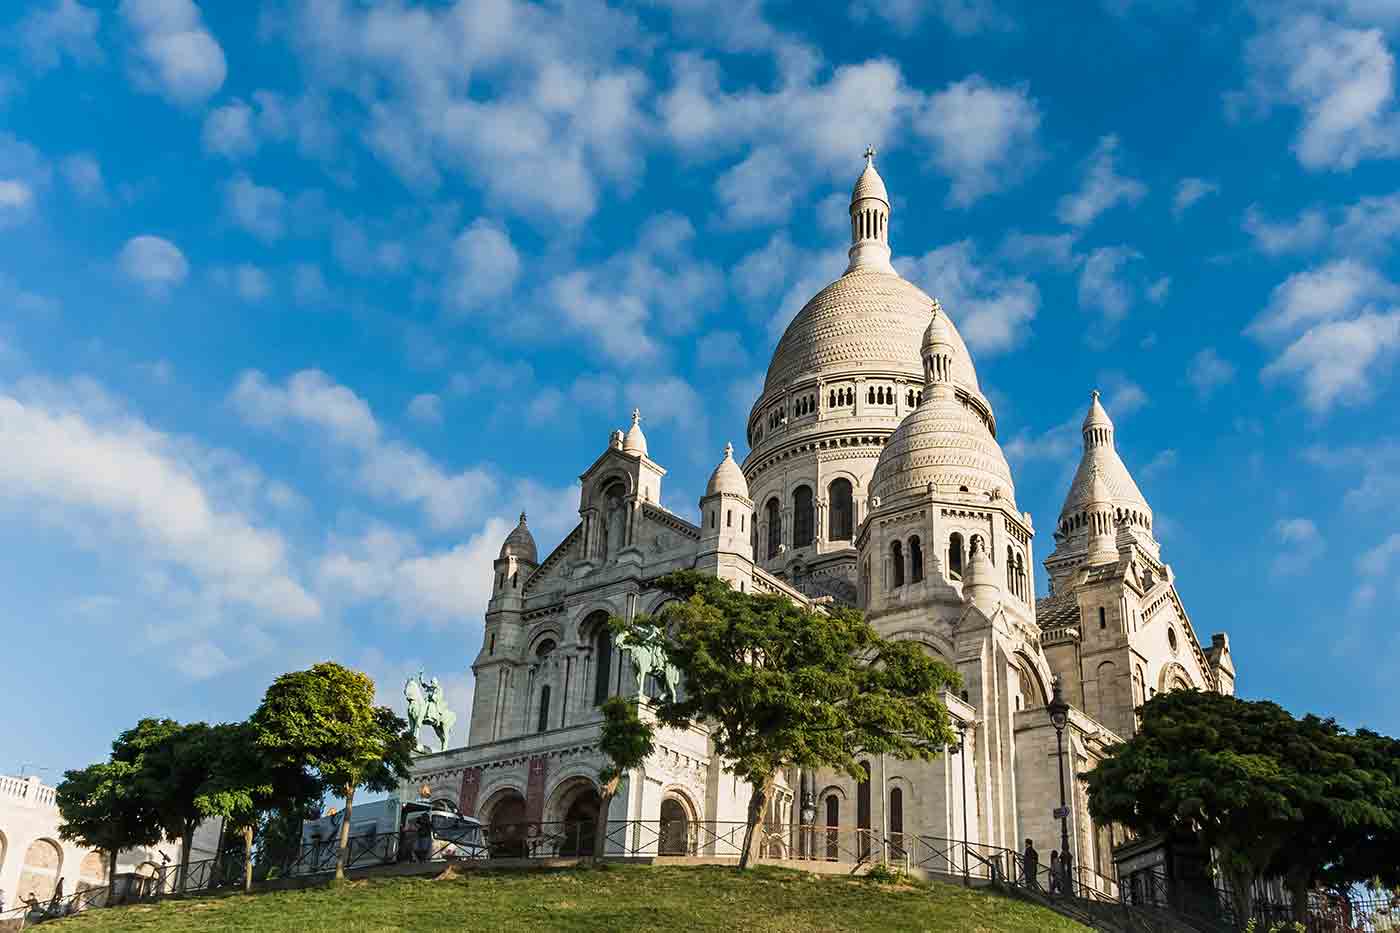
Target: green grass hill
630,898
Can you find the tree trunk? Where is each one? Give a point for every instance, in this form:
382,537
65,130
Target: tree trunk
111,877
758,803
600,826
1241,894
248,859
1298,887
341,856
186,838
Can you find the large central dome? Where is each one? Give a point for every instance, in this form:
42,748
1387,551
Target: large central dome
867,320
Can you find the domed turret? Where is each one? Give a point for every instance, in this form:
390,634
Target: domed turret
939,349
980,585
635,442
520,544
870,220
727,477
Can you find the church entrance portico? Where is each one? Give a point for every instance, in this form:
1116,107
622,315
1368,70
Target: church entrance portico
504,813
572,815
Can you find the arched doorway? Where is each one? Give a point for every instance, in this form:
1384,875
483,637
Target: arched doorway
580,821
39,873
675,828
92,872
506,821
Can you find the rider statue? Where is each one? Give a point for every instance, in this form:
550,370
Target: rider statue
427,706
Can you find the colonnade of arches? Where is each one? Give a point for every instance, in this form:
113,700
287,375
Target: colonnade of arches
840,518
570,818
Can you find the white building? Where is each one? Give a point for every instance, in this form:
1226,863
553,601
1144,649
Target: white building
875,479
33,858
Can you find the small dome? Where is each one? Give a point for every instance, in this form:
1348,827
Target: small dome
870,184
520,544
635,442
940,332
727,477
1097,416
946,443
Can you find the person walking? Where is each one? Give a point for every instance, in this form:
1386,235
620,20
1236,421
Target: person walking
1054,871
1031,866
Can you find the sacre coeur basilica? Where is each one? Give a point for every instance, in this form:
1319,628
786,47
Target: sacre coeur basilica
874,479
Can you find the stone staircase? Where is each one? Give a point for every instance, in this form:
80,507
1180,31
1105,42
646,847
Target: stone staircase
1111,917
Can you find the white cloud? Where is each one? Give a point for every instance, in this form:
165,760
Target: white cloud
1158,290
1334,290
63,28
308,284
240,128
963,17
13,295
390,470
485,266
1372,224
1307,231
1341,78
1188,192
425,408
1337,360
1101,284
175,54
1103,187
1053,249
1208,372
1378,465
251,282
980,135
1163,463
1379,559
1058,443
257,209
228,131
545,407
16,201
111,477
156,264
84,176
721,349
1298,546
1122,396
760,190
992,310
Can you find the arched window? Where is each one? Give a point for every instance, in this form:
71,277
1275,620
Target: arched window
773,512
544,709
863,809
1021,579
916,560
842,510
803,517
833,820
955,556
602,661
1103,618
831,399
870,395
897,820
1010,569
896,564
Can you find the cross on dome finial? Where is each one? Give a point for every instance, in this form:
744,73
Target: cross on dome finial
728,450
522,516
1095,394
869,153
636,415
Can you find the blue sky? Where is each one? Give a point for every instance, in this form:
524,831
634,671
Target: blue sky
302,301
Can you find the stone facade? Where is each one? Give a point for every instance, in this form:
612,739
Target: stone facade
874,479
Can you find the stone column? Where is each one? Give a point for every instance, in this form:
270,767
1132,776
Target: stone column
534,789
471,784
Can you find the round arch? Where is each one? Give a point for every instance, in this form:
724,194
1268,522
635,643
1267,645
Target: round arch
40,870
92,872
572,810
678,820
603,482
503,813
584,624
542,631
1031,673
1174,676
941,648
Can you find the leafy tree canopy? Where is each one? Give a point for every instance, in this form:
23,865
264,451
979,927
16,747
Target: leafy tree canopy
100,808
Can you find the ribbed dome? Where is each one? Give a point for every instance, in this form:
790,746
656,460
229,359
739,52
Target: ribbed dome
944,442
870,185
727,477
520,544
865,321
635,442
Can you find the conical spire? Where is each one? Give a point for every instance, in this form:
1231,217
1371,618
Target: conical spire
1097,427
938,350
870,219
520,544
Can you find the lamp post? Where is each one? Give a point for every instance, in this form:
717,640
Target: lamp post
1059,718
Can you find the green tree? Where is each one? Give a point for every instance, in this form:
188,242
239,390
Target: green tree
324,719
1265,792
101,808
247,782
627,742
173,762
780,686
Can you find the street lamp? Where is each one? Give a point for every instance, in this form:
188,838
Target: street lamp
1059,718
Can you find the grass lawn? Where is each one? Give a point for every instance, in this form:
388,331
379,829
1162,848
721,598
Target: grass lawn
671,899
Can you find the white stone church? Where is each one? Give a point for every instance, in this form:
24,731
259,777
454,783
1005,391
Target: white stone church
874,479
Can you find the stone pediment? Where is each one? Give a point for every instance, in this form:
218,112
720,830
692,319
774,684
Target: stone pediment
553,573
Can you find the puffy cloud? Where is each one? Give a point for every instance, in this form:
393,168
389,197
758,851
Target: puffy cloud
1378,560
228,131
1103,187
1163,463
1298,545
1157,292
239,128
1335,290
62,28
425,408
16,201
111,477
154,263
251,282
1053,249
83,174
1377,465
992,309
257,209
1122,396
485,266
309,397
1336,360
1188,192
1305,232
1208,372
1101,284
308,284
176,55
981,136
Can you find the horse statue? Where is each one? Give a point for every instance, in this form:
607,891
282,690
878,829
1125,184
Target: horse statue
427,706
650,658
